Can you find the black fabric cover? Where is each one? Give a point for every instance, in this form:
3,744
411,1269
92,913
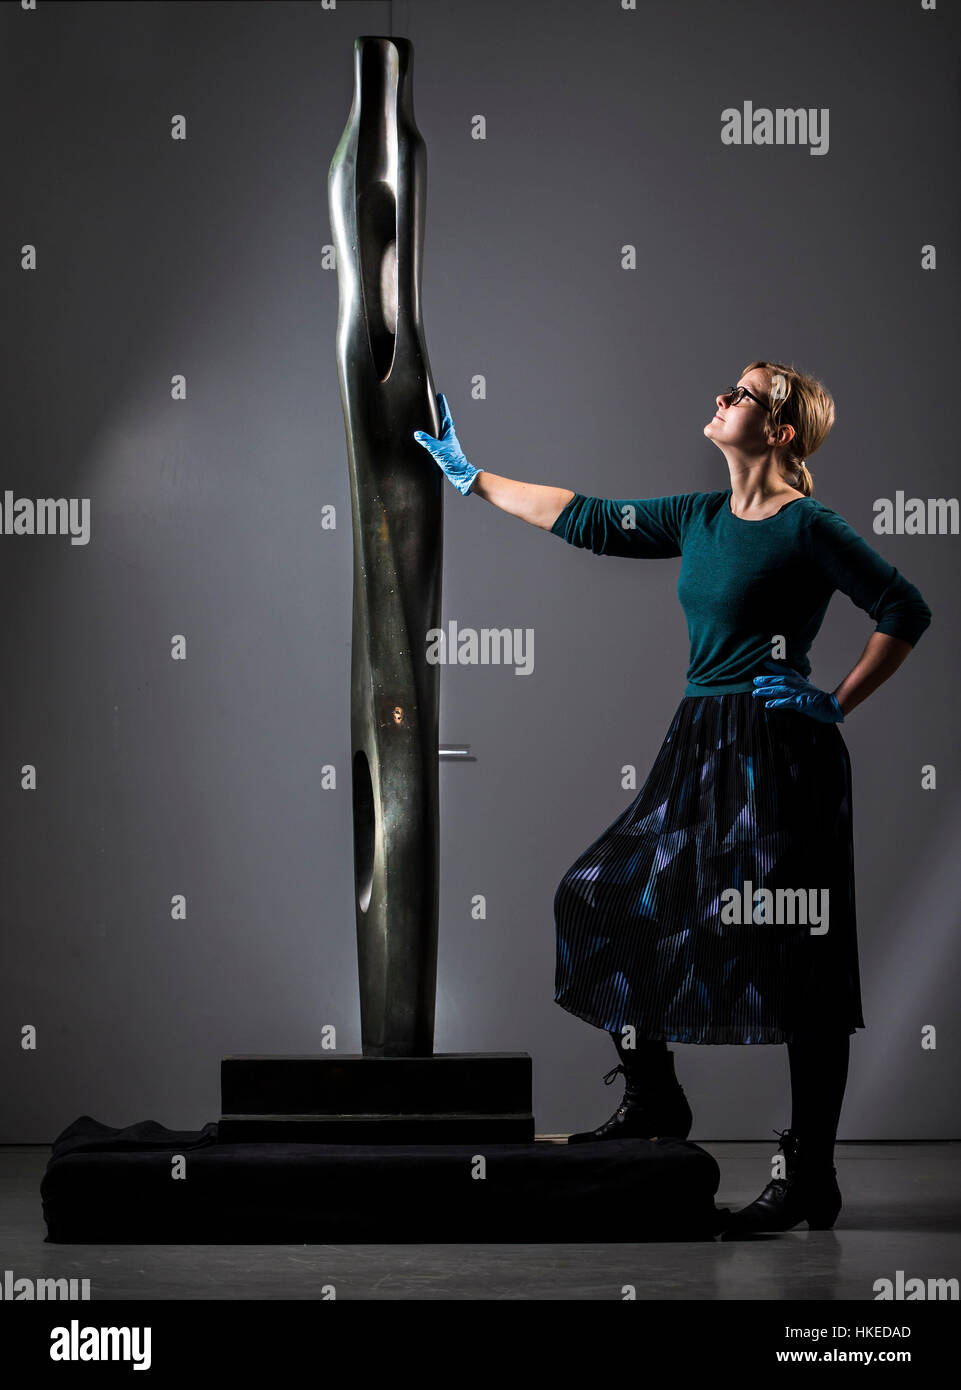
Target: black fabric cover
112,1186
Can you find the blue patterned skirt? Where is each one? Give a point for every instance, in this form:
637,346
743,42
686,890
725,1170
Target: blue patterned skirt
719,907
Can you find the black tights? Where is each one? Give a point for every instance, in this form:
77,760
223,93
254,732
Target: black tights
819,1073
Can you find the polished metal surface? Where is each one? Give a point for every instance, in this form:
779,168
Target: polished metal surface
377,196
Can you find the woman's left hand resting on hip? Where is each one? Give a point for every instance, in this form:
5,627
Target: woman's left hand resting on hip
788,690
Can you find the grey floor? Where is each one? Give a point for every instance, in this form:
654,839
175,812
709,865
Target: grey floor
901,1211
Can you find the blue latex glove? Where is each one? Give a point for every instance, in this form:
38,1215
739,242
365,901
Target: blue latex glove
788,690
447,451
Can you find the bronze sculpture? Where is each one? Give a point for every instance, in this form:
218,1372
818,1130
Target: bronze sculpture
377,197
398,1090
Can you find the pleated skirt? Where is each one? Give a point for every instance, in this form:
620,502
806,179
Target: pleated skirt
719,907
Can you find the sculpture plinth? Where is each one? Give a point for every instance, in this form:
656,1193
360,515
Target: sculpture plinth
447,1098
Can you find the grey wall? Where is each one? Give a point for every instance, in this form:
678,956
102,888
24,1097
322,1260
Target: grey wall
203,257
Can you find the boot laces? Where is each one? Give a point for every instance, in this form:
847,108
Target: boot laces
798,1164
637,1093
630,1094
637,1088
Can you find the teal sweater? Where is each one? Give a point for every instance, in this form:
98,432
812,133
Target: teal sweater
742,583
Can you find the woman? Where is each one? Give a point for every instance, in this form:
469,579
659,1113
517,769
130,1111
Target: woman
719,907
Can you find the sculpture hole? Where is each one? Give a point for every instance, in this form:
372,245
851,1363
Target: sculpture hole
376,180
377,245
365,821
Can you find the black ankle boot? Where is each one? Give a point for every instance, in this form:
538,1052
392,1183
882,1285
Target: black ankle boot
654,1104
809,1192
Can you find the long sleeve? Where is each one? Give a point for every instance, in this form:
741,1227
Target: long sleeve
643,528
848,563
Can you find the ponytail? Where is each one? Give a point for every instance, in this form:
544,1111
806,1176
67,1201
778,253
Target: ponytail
803,480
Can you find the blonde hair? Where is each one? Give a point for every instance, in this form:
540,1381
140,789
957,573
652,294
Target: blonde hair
802,401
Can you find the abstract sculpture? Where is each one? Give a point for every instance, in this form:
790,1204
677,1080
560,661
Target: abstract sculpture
398,1091
377,196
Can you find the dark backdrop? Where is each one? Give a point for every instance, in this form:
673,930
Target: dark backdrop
206,257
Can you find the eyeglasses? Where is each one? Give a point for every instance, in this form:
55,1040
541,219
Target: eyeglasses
737,393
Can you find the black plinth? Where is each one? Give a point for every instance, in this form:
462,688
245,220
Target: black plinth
148,1184
446,1098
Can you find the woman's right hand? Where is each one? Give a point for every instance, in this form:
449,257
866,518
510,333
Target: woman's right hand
447,452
